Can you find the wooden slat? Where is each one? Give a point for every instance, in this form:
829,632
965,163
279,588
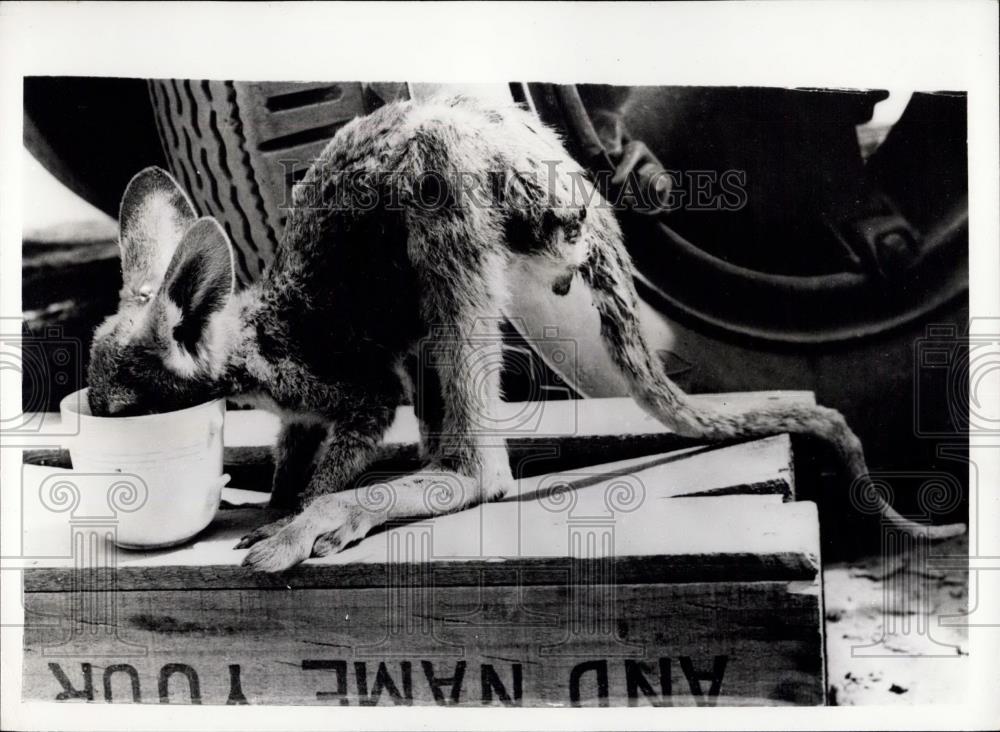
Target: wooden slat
684,539
571,418
702,588
251,467
564,435
759,640
618,416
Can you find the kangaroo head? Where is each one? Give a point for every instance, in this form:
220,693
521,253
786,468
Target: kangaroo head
161,350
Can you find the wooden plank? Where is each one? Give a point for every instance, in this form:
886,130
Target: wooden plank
564,418
765,468
617,416
732,537
642,581
563,435
762,467
744,643
766,465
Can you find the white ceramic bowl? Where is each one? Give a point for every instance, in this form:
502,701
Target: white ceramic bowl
177,455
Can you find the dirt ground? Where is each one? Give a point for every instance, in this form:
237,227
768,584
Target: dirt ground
891,632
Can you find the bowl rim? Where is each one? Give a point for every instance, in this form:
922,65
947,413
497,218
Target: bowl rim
80,396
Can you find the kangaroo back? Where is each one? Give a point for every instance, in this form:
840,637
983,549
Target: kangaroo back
608,271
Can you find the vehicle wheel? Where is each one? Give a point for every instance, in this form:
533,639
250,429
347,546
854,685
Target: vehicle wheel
238,147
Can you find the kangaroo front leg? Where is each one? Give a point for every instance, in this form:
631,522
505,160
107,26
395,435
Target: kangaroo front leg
468,465
332,521
350,445
467,450
295,456
340,519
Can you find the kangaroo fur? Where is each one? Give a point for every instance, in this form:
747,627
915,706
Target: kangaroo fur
331,337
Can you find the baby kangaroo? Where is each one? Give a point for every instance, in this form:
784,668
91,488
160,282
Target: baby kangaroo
400,236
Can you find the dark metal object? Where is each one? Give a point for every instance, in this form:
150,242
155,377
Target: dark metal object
92,133
821,252
883,242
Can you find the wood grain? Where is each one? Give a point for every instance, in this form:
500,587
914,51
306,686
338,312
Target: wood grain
566,418
558,435
567,648
669,574
661,528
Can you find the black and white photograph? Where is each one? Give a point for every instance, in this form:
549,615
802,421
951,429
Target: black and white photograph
563,381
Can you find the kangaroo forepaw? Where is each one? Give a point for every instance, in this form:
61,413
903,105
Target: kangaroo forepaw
263,532
286,547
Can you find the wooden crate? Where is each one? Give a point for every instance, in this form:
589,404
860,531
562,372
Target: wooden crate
678,578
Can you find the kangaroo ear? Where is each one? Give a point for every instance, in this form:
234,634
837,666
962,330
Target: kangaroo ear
154,214
199,281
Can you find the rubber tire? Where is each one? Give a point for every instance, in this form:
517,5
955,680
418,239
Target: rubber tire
237,147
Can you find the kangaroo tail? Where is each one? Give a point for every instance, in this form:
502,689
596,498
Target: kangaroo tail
608,271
